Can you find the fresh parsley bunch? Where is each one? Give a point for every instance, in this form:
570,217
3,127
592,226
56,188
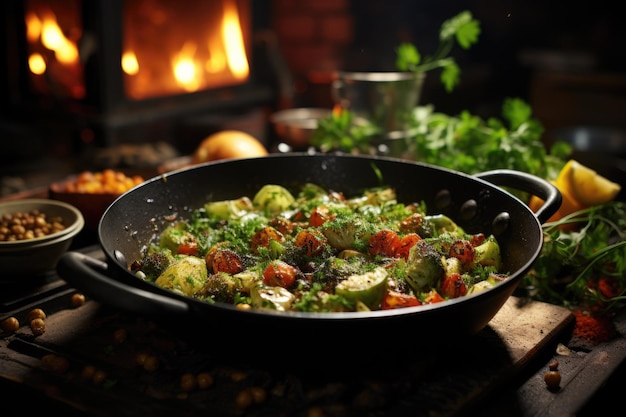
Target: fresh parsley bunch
461,29
471,144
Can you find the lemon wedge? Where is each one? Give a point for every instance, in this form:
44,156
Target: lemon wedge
591,188
569,205
564,179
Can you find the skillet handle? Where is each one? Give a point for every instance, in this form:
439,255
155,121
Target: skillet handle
81,271
532,184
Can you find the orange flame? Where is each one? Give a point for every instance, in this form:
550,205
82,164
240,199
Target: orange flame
52,37
235,49
130,65
53,53
185,69
196,59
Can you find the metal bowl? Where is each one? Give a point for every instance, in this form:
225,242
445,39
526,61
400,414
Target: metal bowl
296,126
36,256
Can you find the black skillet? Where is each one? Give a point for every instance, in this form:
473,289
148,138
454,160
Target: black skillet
476,203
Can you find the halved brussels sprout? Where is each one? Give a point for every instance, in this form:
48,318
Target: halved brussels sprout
186,275
368,288
273,199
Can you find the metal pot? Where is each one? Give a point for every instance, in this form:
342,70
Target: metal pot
474,202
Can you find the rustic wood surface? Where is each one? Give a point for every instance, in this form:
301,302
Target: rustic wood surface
446,382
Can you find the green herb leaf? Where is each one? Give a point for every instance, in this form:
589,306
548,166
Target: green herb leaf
407,57
462,29
450,76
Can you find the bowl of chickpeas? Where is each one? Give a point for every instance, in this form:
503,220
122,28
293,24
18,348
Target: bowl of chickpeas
34,233
92,192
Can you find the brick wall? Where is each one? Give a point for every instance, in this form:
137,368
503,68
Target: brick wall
313,35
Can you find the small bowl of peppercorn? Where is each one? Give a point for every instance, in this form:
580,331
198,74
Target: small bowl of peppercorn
34,233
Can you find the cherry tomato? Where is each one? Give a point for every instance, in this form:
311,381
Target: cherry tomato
453,286
283,225
319,216
394,299
412,224
279,274
226,260
263,237
312,240
406,243
385,243
433,297
477,239
188,248
463,251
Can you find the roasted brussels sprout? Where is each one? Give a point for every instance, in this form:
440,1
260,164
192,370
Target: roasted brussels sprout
273,298
368,288
174,236
440,224
273,199
488,253
155,263
223,287
186,275
227,209
425,267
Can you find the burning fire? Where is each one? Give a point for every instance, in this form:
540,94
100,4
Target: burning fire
192,58
168,47
53,52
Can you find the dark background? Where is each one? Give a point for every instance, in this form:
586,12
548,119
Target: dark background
518,40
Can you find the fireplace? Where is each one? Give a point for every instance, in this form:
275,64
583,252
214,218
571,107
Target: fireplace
104,72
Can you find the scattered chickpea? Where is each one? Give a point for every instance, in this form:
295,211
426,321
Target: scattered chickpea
552,378
315,412
205,380
36,313
244,399
554,365
99,376
38,326
141,358
188,382
151,363
93,374
249,396
55,363
259,395
78,300
236,376
10,324
88,372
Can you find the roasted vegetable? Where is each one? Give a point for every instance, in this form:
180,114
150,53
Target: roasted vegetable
155,263
273,298
223,287
425,267
368,288
229,208
186,275
273,199
488,253
174,236
321,252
